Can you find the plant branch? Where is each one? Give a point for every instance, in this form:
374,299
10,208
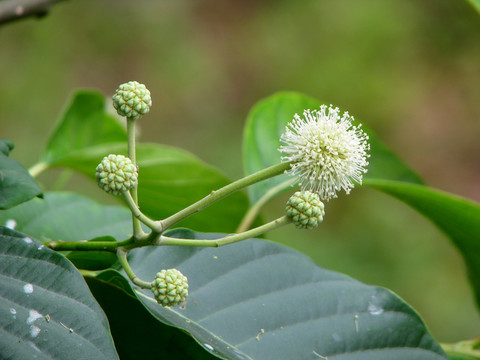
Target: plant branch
39,167
11,10
122,258
254,211
85,245
229,239
463,348
137,213
137,228
219,194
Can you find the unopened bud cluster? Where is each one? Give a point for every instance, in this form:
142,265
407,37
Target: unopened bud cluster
170,287
132,100
305,210
116,173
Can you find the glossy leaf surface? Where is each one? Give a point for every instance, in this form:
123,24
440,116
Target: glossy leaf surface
46,309
63,216
69,217
457,217
169,341
16,184
259,300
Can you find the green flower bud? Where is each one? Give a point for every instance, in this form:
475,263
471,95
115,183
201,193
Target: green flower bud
170,287
305,210
116,173
132,100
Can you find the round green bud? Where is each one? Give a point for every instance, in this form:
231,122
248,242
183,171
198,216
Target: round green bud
305,210
132,100
116,173
170,287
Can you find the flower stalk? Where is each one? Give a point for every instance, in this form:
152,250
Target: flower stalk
226,240
219,194
122,258
138,215
137,228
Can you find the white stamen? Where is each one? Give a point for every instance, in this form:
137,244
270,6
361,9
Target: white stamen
327,152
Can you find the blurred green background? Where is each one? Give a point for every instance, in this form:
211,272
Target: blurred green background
409,69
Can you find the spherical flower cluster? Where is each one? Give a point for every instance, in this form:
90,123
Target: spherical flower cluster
116,173
132,100
305,210
326,151
170,287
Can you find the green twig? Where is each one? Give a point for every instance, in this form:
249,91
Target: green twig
137,228
122,258
254,211
38,168
85,245
154,225
229,239
222,193
462,348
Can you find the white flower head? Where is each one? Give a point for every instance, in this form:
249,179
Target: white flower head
327,153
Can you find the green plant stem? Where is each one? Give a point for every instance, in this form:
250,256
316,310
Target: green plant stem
84,245
463,348
122,258
38,168
254,211
229,239
137,228
154,225
157,239
219,194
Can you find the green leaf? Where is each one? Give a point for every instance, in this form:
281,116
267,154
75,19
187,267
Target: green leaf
84,124
93,260
475,4
16,183
69,217
170,179
169,342
260,300
6,146
265,124
46,309
459,218
462,357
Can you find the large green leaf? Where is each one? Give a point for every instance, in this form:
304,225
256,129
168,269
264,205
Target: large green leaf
46,309
170,179
260,300
72,217
265,124
83,124
68,217
459,218
170,342
475,4
16,184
